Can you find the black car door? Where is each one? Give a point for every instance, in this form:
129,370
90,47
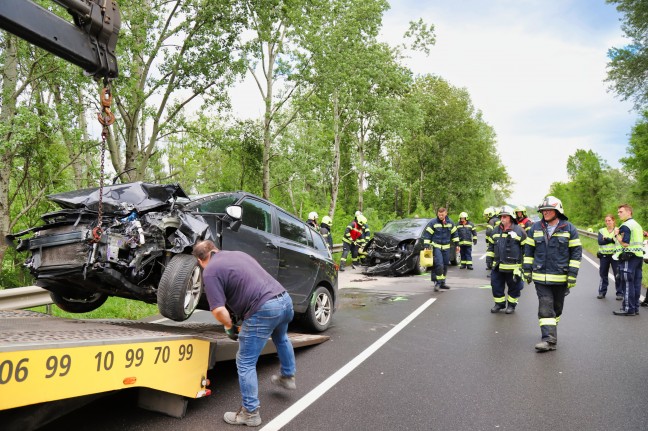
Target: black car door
299,263
254,237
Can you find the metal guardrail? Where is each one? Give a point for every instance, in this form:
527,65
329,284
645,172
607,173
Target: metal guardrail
24,297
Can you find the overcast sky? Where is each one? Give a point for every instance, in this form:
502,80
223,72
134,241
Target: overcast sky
535,68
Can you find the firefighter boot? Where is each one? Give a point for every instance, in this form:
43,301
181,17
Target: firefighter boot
510,308
342,265
497,307
545,346
549,338
470,267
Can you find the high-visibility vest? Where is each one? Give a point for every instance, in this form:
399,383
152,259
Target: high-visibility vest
609,248
636,237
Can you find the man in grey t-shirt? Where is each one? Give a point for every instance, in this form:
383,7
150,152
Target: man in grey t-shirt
234,280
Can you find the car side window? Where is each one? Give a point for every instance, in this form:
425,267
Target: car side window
293,229
218,205
318,242
257,215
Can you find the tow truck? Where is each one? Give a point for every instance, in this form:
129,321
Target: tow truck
50,365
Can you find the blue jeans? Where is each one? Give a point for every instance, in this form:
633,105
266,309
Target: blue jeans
271,320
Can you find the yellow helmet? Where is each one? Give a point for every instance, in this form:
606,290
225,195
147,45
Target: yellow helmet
463,215
327,220
489,212
312,215
522,209
362,220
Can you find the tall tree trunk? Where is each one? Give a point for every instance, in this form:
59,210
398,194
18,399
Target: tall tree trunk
267,127
7,111
421,177
335,187
361,169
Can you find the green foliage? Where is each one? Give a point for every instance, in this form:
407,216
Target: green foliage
636,165
113,308
628,65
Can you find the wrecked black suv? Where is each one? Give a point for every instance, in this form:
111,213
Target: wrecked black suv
142,248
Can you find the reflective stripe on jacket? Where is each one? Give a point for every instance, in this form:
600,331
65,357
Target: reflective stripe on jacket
439,235
636,237
506,251
466,233
352,233
605,245
552,259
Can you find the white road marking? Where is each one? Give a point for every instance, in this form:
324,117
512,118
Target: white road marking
597,266
308,399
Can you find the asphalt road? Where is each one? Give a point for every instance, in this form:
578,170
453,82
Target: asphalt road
452,366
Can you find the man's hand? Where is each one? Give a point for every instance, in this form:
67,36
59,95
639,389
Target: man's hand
474,241
571,282
232,332
528,277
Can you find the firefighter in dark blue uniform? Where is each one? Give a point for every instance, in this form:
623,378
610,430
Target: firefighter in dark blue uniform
438,235
551,260
325,230
467,238
505,254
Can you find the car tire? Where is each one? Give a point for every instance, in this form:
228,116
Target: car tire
320,311
79,304
455,261
180,288
418,269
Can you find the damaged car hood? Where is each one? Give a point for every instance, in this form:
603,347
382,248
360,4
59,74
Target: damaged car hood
139,196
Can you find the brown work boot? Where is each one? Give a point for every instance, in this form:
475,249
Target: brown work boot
243,417
284,381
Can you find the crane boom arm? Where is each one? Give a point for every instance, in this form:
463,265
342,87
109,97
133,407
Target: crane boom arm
88,43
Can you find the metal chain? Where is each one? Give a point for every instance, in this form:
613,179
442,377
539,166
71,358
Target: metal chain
106,118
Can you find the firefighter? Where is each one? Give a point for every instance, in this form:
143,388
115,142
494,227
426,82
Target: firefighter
325,230
349,241
522,220
312,220
438,235
630,255
492,220
505,254
467,238
363,241
551,260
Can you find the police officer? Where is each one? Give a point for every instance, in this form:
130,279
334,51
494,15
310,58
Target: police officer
325,230
349,241
505,254
630,255
551,260
438,234
608,246
467,237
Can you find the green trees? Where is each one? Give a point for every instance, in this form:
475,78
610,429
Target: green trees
345,125
628,65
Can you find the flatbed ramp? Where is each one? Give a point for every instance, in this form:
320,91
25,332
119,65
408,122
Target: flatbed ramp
44,359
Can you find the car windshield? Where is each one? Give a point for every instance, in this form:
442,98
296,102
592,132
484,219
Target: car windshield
412,227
